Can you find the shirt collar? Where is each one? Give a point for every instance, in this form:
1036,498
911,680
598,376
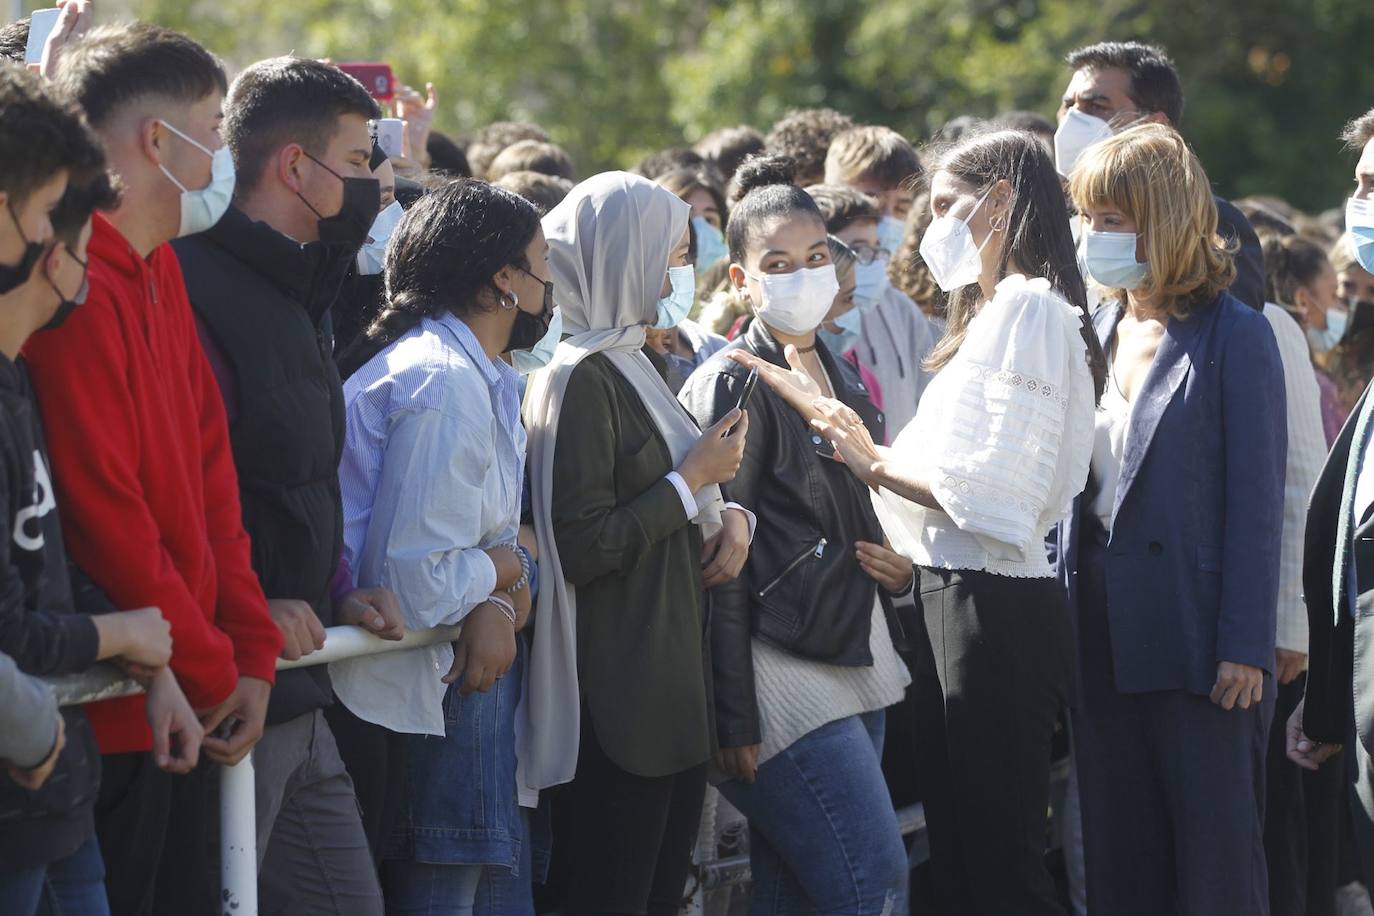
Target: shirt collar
494,371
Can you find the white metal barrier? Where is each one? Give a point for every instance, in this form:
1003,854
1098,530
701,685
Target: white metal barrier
238,827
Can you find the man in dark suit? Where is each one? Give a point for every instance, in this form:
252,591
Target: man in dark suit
1122,82
1338,581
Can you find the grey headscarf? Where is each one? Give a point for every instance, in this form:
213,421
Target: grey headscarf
609,243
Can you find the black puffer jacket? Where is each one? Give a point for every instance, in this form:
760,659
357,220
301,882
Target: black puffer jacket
41,630
802,589
265,301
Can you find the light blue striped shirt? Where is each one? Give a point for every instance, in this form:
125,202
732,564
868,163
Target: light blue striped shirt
431,477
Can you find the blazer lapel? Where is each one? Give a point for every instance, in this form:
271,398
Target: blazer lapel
1350,472
1167,373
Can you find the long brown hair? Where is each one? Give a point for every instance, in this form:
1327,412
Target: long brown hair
1038,239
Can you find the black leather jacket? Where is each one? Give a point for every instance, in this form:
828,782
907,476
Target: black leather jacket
802,589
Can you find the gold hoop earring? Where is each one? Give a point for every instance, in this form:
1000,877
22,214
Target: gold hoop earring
992,223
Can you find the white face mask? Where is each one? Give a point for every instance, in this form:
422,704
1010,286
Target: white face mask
870,283
202,208
891,232
1078,132
372,256
949,251
797,303
1109,259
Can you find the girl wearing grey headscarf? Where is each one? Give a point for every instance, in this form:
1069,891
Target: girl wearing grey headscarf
626,505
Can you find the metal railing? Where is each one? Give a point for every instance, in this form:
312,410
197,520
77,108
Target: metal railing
238,817
238,809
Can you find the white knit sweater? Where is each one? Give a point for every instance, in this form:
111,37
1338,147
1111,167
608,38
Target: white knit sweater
796,696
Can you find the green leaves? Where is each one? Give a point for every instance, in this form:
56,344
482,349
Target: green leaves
1269,82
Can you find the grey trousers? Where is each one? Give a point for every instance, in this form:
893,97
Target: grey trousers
312,853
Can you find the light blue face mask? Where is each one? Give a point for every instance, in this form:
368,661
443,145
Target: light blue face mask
1109,259
1359,222
201,208
539,355
372,256
847,337
870,284
891,233
710,245
674,307
1327,338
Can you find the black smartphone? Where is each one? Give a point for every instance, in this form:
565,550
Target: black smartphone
749,383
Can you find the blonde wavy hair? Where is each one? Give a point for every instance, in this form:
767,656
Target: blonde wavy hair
1151,175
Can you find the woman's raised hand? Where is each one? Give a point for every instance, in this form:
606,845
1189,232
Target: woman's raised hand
794,385
847,432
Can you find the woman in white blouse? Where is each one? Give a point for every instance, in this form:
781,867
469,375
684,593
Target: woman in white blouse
969,490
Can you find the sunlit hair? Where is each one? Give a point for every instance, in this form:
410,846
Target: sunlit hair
843,258
1037,237
1149,173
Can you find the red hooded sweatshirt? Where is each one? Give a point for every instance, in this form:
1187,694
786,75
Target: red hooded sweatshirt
146,486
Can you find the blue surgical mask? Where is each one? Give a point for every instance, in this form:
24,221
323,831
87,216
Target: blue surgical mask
202,208
1359,222
870,284
847,337
372,256
539,355
1109,259
891,233
1326,339
710,245
674,307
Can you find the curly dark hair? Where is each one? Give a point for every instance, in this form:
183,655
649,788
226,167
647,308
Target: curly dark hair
805,134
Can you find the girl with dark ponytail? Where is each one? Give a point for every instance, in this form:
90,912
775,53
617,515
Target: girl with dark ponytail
431,478
803,661
969,490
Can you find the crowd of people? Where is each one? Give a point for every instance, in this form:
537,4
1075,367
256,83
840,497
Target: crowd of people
722,464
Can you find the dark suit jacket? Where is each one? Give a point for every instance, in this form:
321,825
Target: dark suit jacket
1339,643
1192,562
627,545
1232,225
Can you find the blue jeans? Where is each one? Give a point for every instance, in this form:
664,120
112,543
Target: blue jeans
417,889
460,803
823,836
74,886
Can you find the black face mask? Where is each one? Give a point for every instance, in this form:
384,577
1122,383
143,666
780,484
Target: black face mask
362,201
14,276
529,329
67,306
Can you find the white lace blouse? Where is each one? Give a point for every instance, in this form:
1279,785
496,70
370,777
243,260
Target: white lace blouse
1003,436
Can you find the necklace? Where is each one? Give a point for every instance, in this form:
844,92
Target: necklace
810,349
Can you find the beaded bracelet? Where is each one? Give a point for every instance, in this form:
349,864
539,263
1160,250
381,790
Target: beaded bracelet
525,566
507,609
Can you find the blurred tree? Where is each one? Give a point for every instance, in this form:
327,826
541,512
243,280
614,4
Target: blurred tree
1269,82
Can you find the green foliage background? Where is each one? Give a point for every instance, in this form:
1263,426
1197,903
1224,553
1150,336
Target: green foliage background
1269,82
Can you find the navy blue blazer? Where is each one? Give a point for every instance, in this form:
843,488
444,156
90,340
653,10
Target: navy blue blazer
1193,559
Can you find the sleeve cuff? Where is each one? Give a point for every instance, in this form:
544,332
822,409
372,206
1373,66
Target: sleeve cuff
689,502
748,516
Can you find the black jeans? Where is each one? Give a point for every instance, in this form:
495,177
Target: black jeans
375,758
622,844
993,674
159,837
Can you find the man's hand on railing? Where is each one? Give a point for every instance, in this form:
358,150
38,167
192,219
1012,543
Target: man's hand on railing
302,632
242,716
484,651
376,610
177,732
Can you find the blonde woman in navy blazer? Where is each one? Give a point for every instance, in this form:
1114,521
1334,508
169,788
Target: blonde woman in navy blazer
1171,557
